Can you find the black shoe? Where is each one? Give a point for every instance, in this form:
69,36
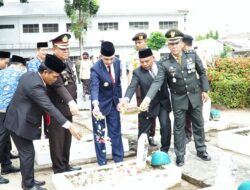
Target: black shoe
34,188
12,156
39,183
180,161
70,168
9,169
3,180
204,156
151,141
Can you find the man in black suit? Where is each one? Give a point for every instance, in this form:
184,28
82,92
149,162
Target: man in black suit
160,107
24,115
140,40
63,95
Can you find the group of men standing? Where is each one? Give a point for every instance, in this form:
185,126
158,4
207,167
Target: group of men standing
8,80
180,74
50,88
50,91
179,69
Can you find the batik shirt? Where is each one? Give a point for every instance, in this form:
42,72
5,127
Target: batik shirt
33,65
9,79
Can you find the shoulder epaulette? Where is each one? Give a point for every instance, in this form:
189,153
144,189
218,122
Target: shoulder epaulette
190,51
164,58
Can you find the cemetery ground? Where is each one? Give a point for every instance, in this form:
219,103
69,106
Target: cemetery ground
196,173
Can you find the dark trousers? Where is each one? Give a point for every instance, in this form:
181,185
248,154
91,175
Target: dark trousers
165,127
86,86
197,126
188,126
60,143
5,143
151,131
114,133
27,155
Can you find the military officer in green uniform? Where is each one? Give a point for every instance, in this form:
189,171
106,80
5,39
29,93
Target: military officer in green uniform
188,92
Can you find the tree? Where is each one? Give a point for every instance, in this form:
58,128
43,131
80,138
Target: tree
156,41
21,1
226,51
80,12
210,34
216,37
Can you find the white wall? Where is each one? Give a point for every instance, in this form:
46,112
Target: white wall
24,44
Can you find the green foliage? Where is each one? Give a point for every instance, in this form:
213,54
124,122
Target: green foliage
80,12
200,37
226,50
230,82
216,35
211,34
156,41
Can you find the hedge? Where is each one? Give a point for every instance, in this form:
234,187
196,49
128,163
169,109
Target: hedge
230,82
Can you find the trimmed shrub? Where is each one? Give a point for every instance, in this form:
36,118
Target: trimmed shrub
230,82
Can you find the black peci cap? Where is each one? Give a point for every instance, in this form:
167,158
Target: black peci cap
42,44
18,59
4,54
54,64
107,48
145,53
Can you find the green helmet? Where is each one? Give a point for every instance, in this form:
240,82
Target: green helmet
159,158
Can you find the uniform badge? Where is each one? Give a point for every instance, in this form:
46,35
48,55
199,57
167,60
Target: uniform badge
172,34
140,37
106,84
190,65
65,39
172,71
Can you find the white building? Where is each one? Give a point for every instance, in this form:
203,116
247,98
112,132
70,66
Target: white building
23,25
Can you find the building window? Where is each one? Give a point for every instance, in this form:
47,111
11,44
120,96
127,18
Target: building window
68,27
138,25
30,28
50,27
168,25
9,26
105,26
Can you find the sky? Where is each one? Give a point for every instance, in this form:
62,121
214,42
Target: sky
226,16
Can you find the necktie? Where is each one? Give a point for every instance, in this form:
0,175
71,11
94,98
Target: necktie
179,59
110,74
